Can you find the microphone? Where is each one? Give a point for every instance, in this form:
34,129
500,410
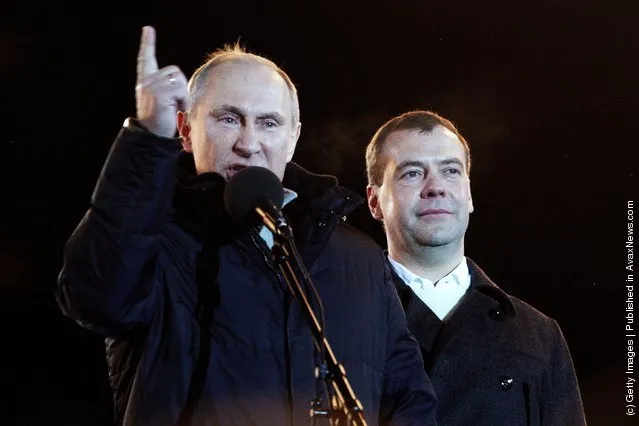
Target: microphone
255,195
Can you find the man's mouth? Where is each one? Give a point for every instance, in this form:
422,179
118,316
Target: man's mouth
434,212
234,168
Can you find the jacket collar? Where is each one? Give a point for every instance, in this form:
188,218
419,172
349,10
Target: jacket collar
320,192
199,207
479,281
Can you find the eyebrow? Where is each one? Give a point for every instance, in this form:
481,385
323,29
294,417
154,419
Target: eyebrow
409,163
225,108
416,163
273,116
451,160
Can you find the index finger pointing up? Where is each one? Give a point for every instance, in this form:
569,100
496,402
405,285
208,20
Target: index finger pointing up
147,63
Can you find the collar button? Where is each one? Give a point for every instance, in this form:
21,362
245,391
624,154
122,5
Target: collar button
496,314
506,383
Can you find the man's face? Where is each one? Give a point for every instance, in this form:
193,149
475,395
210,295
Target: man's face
424,198
243,119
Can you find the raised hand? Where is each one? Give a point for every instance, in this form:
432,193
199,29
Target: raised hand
159,93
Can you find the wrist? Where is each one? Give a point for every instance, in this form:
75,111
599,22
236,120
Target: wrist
134,125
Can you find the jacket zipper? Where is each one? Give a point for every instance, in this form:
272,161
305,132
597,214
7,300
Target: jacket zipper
287,308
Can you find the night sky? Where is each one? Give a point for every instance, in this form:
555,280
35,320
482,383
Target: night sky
546,93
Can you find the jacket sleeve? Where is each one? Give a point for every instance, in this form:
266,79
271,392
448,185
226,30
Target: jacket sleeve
108,281
408,396
561,403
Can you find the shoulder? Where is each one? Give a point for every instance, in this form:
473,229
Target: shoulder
350,235
528,329
354,252
349,240
534,333
544,327
524,313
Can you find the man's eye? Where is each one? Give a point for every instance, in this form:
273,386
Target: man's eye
411,174
228,120
452,171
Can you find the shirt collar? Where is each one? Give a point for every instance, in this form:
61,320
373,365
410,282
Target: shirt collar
289,195
460,275
265,233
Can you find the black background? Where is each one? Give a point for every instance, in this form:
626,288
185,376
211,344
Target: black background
545,92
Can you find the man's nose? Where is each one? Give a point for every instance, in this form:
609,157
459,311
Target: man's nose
247,143
433,186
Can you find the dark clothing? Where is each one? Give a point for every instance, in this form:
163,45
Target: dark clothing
496,360
199,326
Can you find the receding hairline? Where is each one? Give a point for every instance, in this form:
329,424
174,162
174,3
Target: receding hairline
207,68
238,60
202,76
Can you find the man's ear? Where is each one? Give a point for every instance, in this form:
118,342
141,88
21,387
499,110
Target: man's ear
293,142
184,128
372,194
471,207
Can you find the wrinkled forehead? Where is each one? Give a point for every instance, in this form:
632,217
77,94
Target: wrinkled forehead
249,85
246,69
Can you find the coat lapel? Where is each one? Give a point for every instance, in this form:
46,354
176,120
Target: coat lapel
434,335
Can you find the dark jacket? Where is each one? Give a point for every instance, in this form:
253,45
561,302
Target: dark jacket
496,361
200,328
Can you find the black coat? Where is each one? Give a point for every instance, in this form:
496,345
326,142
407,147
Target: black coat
199,326
496,360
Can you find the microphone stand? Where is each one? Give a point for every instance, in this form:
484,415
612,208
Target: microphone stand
345,409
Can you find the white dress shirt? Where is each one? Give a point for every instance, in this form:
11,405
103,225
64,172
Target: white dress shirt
441,296
266,233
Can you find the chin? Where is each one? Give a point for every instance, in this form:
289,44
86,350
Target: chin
434,239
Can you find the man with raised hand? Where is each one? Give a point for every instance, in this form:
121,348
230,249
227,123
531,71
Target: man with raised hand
200,327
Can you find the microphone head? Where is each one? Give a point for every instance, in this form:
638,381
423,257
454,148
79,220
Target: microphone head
249,188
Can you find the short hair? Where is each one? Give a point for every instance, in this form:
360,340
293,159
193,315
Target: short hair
229,52
424,121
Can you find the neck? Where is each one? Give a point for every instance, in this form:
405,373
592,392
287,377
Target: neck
432,263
